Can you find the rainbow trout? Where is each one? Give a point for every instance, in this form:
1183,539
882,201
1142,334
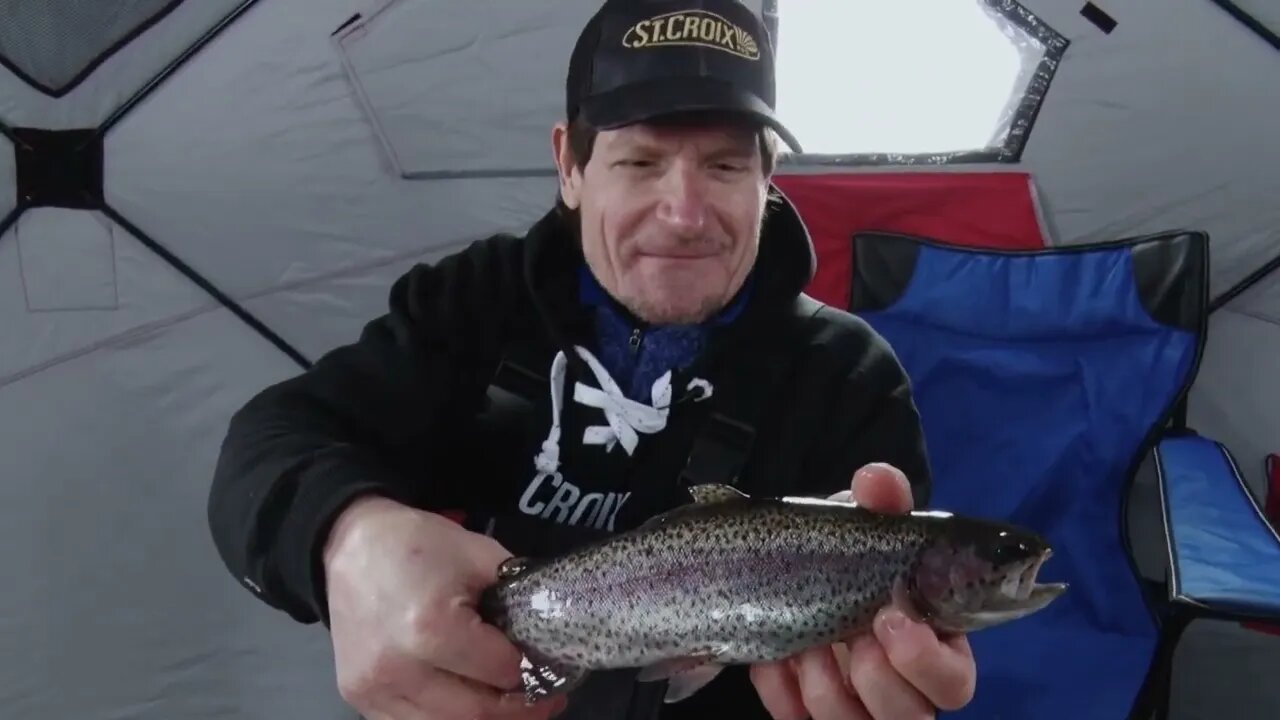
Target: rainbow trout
729,579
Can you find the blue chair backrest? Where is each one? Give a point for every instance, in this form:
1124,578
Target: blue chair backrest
1042,378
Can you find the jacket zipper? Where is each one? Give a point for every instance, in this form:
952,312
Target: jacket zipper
634,341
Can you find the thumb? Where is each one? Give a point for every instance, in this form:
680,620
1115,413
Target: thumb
882,488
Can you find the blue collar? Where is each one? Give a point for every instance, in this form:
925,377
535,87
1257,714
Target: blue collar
592,294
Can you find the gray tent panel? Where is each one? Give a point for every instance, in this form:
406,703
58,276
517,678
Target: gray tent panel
67,260
71,281
318,313
55,43
59,44
1262,301
1117,152
397,71
118,606
1234,398
286,184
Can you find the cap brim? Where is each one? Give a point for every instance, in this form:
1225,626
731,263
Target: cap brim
642,102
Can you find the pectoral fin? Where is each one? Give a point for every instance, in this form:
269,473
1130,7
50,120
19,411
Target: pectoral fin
684,675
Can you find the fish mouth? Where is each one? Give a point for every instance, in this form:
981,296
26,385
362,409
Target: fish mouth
1020,589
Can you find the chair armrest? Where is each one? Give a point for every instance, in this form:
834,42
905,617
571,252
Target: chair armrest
1224,557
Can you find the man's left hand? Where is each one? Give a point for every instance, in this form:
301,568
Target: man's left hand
900,671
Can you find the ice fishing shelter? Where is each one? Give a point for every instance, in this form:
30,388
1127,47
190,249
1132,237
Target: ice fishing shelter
197,198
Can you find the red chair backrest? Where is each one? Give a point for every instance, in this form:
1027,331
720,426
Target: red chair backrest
976,209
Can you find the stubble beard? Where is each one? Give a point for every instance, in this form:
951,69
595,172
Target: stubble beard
679,306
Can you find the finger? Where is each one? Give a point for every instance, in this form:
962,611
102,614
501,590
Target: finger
882,488
444,695
884,692
396,712
397,707
779,690
403,708
841,651
542,710
826,694
944,672
485,555
456,639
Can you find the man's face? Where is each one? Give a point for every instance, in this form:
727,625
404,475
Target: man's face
670,215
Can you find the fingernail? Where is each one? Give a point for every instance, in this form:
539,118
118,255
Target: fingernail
891,470
894,621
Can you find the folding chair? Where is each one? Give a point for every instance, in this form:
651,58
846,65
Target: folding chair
1044,378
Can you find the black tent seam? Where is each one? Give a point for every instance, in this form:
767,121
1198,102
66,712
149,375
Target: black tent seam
204,284
1250,22
164,253
173,66
1249,281
1021,122
11,218
93,64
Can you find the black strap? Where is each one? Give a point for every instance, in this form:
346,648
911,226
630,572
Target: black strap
517,376
724,442
720,450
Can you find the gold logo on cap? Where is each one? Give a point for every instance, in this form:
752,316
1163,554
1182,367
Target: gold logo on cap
692,27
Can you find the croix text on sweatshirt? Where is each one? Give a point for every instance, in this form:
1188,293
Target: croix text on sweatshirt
551,497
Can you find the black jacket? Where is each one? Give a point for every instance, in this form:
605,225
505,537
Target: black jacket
444,401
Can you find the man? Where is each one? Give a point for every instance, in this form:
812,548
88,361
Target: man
647,333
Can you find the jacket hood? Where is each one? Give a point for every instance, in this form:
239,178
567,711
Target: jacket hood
784,266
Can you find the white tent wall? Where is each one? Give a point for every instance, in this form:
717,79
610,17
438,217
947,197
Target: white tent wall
299,173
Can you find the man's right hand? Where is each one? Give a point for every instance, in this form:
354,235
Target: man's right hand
407,642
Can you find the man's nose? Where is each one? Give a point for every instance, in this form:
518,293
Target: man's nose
683,205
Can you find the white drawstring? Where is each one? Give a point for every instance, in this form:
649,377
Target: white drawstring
625,417
549,458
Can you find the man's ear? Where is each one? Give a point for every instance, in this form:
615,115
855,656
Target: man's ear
570,174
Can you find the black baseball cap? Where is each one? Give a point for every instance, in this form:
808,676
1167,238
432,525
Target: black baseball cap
638,60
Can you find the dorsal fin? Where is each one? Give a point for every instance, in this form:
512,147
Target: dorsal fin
714,493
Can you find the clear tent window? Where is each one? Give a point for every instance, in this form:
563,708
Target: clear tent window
908,77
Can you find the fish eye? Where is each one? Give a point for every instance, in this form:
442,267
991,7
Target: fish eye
1009,550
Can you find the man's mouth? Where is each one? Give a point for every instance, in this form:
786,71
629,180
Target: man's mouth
679,254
